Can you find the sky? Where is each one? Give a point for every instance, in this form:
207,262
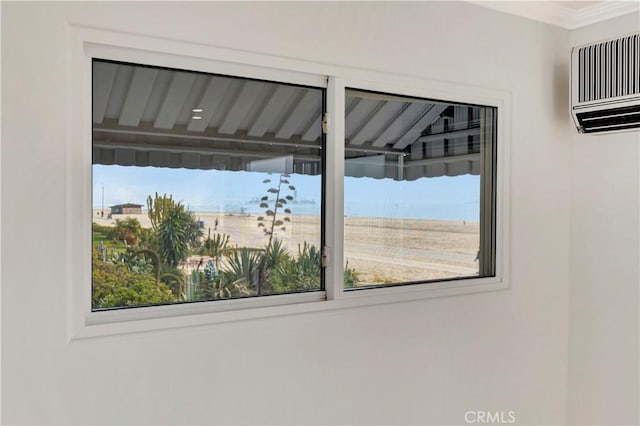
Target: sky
440,198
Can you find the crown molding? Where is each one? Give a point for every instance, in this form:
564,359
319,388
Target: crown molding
555,13
602,11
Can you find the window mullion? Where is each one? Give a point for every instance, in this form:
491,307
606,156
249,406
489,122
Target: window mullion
334,191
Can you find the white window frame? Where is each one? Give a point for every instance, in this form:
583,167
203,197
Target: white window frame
87,43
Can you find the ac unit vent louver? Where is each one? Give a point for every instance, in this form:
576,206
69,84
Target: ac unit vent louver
605,85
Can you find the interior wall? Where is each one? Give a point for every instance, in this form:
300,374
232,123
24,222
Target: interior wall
604,330
422,362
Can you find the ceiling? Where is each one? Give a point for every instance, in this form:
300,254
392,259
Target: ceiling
565,14
577,5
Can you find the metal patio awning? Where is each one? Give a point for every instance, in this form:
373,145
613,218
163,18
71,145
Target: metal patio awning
144,116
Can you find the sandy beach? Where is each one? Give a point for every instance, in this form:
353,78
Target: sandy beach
382,250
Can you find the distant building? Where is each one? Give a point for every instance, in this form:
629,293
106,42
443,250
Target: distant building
127,208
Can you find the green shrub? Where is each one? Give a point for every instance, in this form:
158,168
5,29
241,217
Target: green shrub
115,285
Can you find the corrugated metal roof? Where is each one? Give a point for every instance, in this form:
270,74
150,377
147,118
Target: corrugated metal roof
144,116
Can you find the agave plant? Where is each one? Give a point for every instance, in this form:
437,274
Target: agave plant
297,274
275,219
277,254
144,260
277,214
307,267
243,267
309,260
224,288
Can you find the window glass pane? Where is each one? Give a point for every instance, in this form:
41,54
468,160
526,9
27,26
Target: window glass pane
205,187
419,190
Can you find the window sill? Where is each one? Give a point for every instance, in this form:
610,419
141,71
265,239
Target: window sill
157,318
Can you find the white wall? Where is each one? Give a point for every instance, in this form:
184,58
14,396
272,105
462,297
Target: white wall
605,277
424,362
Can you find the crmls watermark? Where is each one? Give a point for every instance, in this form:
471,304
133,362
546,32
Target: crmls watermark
490,417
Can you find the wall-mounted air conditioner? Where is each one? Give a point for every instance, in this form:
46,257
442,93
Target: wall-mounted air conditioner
605,85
